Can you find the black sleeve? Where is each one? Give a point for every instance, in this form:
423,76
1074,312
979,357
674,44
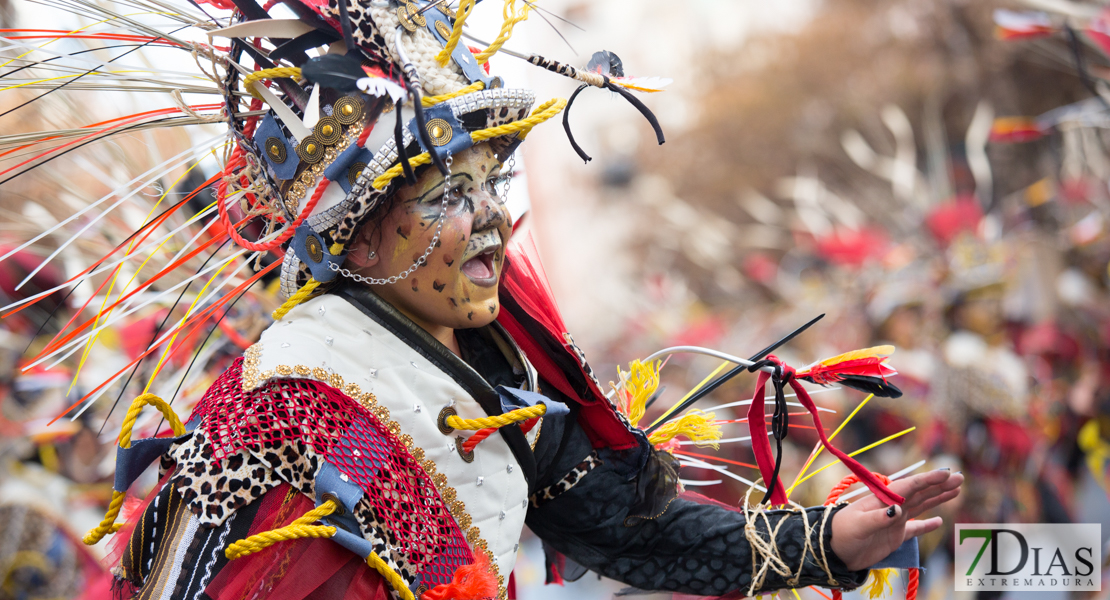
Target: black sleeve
618,514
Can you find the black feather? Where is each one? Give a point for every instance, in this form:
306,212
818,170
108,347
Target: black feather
337,71
870,385
606,63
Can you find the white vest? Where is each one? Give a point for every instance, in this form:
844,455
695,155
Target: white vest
327,339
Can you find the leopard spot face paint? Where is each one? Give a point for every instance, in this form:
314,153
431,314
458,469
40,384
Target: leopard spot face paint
464,265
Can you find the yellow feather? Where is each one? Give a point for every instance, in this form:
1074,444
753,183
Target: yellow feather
878,584
858,354
695,426
637,386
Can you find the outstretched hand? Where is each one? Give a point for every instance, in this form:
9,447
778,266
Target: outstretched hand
867,531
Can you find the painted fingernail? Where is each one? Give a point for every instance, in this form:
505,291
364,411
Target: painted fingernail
945,469
958,473
891,511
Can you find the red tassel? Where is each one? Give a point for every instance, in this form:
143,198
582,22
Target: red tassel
470,582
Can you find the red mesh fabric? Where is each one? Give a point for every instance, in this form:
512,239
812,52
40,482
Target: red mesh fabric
342,432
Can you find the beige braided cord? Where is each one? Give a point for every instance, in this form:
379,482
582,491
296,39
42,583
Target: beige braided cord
108,524
768,551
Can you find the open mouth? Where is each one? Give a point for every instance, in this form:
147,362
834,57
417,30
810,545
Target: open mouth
479,266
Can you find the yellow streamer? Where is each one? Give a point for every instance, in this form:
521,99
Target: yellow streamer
813,456
637,386
695,426
861,450
878,583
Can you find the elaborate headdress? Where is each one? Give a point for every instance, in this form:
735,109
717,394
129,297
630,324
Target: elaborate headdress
312,149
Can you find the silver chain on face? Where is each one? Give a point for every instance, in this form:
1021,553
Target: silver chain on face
423,258
508,179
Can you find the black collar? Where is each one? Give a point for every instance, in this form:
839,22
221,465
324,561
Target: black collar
430,348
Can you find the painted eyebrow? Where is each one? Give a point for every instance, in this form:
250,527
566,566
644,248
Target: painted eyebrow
438,187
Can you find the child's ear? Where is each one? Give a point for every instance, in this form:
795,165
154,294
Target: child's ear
363,252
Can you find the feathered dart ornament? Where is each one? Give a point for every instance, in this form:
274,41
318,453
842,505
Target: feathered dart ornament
865,370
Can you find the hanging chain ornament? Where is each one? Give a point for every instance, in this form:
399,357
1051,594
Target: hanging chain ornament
508,179
423,258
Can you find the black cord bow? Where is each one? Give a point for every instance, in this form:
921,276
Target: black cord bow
633,100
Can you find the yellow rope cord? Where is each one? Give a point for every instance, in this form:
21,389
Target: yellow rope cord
301,528
305,292
465,6
395,580
506,29
427,101
516,416
301,295
109,525
542,113
275,73
392,172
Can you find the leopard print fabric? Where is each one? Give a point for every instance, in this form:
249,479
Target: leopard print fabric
214,488
568,481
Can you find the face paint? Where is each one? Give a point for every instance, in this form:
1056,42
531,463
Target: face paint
457,285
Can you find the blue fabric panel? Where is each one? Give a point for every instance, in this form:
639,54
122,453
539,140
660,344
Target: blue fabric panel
268,128
338,170
131,462
905,557
512,399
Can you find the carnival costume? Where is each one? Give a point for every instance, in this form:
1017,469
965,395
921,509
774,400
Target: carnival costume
349,453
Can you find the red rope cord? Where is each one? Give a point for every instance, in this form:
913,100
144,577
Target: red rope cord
911,588
847,482
225,220
469,445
